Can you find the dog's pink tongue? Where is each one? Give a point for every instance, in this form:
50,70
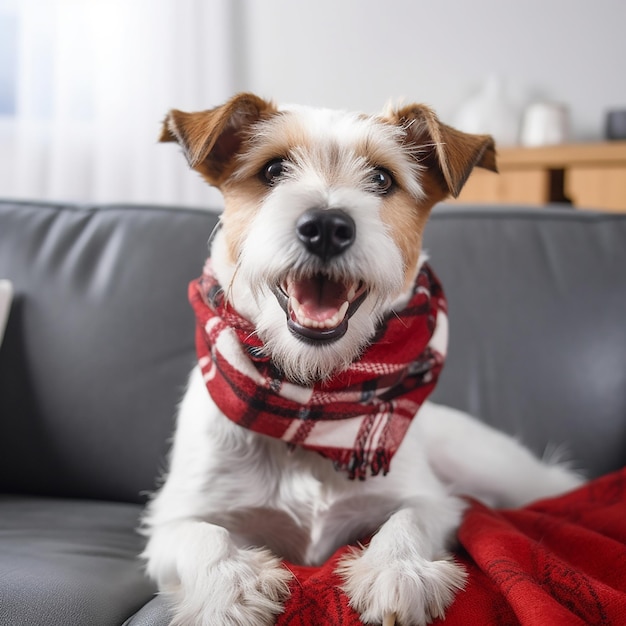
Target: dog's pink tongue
318,301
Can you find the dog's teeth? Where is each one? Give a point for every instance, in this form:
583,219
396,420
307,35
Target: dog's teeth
337,318
295,306
352,293
303,320
342,311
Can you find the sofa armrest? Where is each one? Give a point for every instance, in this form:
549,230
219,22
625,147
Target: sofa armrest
6,297
153,613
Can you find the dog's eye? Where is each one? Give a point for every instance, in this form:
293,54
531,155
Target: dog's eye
382,180
273,170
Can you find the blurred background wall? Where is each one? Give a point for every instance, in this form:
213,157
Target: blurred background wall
358,53
85,83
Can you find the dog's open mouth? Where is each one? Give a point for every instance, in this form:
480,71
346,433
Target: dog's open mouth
318,307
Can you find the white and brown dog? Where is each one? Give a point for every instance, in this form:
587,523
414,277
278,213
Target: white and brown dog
321,329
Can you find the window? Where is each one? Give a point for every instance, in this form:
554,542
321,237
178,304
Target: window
8,58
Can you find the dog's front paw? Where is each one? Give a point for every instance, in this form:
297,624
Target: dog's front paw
247,588
413,589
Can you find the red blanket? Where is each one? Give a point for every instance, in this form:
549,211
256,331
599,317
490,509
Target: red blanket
557,562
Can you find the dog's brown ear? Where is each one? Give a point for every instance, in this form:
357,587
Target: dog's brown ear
449,154
210,139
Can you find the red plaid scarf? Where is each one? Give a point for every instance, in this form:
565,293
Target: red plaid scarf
359,418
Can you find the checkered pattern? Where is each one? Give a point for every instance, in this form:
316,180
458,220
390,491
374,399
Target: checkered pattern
357,419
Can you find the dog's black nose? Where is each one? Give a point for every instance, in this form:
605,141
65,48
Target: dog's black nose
326,232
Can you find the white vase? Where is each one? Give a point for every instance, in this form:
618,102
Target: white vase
545,124
491,112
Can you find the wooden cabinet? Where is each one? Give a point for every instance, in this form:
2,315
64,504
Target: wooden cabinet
591,175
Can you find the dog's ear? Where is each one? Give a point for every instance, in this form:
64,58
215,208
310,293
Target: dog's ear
210,139
449,154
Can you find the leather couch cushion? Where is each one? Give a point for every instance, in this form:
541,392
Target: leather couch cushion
537,304
98,347
155,613
100,339
69,562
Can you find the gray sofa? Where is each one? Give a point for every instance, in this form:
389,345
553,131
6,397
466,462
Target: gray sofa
100,340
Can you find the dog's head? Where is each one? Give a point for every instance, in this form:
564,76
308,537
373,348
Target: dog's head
324,215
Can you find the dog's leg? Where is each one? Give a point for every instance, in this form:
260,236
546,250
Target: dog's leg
476,460
406,571
200,566
209,580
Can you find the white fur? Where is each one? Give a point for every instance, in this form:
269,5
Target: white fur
234,503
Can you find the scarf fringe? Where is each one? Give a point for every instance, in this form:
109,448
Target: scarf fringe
357,463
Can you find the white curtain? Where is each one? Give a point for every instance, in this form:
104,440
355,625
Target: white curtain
94,79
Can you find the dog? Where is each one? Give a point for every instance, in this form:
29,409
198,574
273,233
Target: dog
321,330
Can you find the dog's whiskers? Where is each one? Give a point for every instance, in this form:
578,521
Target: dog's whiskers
254,333
403,322
214,232
230,287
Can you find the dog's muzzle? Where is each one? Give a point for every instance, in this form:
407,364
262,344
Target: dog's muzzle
319,306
